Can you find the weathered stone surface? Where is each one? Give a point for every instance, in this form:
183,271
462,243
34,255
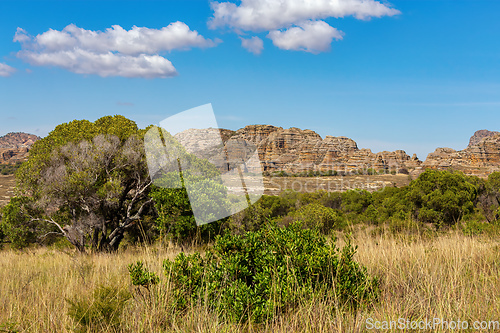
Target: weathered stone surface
294,150
14,147
480,159
17,140
479,136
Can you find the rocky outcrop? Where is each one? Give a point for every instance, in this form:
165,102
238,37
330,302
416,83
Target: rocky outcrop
480,136
17,140
294,150
14,147
480,158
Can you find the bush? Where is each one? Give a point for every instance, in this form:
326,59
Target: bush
141,276
102,312
474,227
442,196
356,201
261,274
16,224
9,169
265,209
315,215
176,219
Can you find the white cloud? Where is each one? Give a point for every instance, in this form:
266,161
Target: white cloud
254,45
262,15
314,37
114,52
273,15
6,70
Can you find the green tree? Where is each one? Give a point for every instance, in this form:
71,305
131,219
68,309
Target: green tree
17,225
441,196
172,202
317,216
89,179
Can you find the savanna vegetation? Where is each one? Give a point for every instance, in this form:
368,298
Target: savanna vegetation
92,245
9,169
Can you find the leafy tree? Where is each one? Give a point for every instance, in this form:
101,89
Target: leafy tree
265,209
315,215
441,196
356,201
89,179
17,225
494,181
172,202
392,202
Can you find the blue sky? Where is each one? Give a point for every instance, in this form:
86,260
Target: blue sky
409,74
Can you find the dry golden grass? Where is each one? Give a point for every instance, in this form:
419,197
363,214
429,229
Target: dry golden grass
7,183
449,276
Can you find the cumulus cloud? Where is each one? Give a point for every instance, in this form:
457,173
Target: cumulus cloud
254,15
254,45
311,37
300,17
113,52
6,70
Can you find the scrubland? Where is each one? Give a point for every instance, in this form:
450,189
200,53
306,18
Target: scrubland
422,276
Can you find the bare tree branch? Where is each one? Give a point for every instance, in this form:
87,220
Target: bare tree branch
51,222
51,233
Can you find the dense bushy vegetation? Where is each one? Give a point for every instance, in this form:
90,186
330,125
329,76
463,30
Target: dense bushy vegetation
86,181
9,169
265,273
438,199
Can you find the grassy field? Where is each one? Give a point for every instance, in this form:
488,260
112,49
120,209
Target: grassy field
275,185
6,188
448,276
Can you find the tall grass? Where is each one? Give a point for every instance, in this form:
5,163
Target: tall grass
450,276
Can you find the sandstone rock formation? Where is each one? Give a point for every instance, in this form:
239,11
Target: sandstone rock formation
294,150
479,136
480,158
14,147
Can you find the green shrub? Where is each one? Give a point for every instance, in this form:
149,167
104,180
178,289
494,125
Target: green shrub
141,276
265,209
16,224
100,313
474,227
442,196
315,215
9,169
356,201
392,202
265,273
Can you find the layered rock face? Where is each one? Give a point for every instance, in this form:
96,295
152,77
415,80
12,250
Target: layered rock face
294,150
14,147
480,158
479,136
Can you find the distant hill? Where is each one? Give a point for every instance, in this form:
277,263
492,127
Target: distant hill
14,147
17,140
